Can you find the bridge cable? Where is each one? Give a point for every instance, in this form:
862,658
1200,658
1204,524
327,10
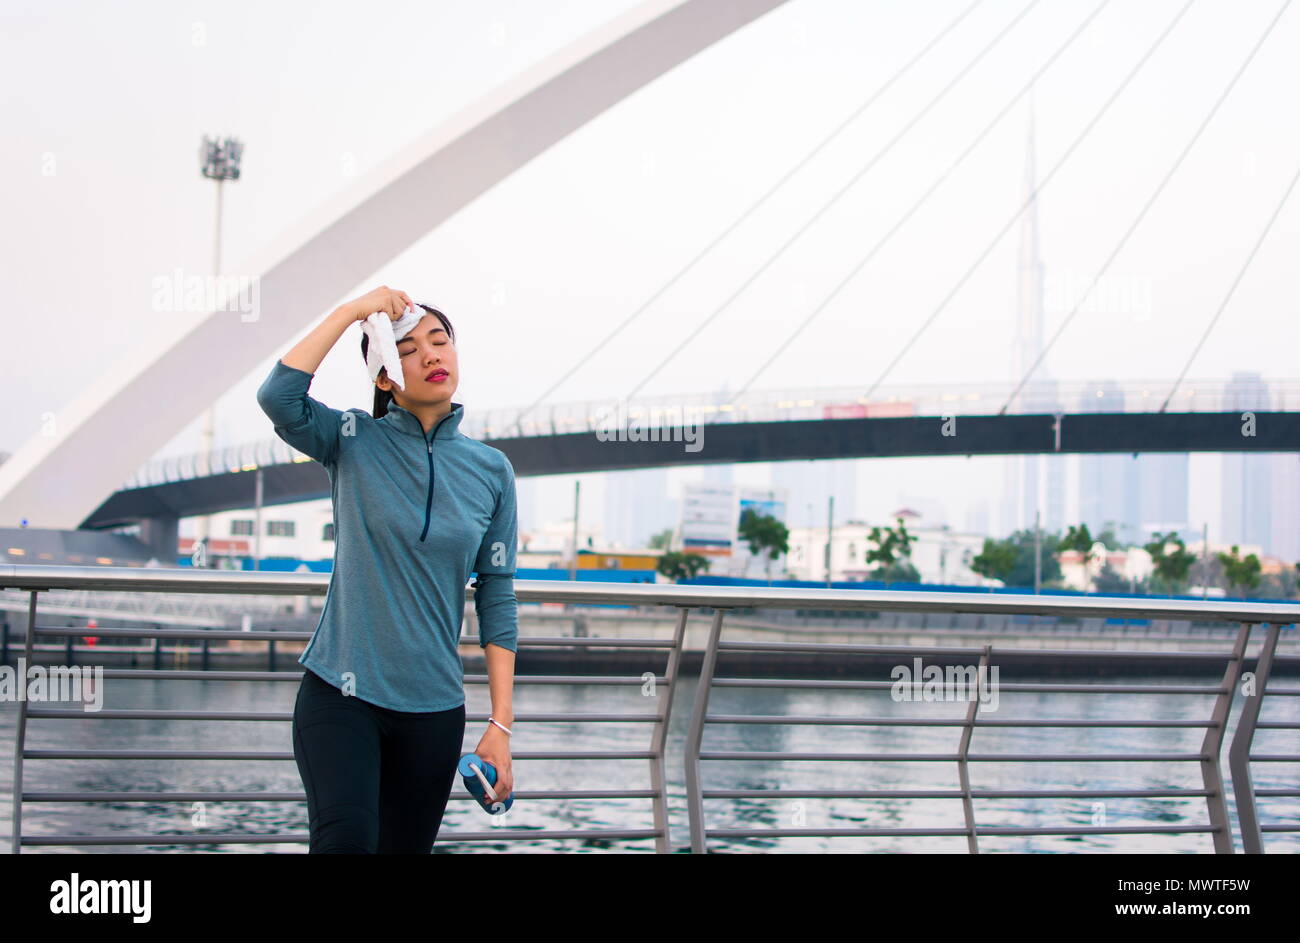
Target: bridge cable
1236,281
831,202
1029,200
735,224
920,202
1137,221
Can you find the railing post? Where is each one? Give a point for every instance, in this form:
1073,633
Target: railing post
963,766
157,651
20,730
1243,787
1212,745
694,800
663,844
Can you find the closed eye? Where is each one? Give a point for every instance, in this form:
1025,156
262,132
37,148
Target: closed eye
409,350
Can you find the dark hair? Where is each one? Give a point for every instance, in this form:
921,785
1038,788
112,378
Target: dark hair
384,397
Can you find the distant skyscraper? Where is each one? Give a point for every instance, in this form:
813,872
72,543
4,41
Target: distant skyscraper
1163,481
1247,477
1132,496
637,506
1033,483
526,492
1110,486
718,475
1285,503
809,484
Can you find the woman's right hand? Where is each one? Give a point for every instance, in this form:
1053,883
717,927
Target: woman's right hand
389,300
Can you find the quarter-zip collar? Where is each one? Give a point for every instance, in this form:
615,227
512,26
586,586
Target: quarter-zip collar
408,423
445,428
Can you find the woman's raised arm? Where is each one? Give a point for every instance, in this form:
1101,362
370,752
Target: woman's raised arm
308,353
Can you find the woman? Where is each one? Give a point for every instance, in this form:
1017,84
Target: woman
379,719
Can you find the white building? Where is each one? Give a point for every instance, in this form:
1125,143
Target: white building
303,530
939,554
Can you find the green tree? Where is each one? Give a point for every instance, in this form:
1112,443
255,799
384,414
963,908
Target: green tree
1111,580
997,561
1108,538
676,565
662,540
767,537
1078,538
1238,571
1171,559
892,552
1011,559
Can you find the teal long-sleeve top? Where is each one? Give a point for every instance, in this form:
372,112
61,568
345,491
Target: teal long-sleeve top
414,514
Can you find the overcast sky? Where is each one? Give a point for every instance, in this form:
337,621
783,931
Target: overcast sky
104,106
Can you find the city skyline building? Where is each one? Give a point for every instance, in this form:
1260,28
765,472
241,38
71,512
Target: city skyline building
1034,484
811,483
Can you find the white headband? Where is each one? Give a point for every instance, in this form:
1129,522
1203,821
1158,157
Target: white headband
384,333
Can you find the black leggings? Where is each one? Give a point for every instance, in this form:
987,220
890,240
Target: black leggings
377,780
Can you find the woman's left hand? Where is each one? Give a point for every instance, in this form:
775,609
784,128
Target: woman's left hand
495,749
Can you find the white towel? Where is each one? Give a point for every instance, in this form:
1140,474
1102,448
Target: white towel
384,333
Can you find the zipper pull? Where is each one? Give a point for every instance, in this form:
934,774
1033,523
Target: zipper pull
430,444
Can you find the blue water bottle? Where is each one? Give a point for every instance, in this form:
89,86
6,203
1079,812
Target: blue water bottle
478,775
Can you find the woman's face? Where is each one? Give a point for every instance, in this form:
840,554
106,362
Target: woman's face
429,367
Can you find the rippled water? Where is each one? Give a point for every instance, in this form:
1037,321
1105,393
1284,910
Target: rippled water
759,814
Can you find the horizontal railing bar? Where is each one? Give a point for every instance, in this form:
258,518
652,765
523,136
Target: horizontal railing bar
1098,830
223,635
659,680
953,757
1277,792
834,832
1003,687
938,832
51,713
832,684
1276,725
290,635
158,579
1284,692
1275,758
564,641
953,794
186,674
208,755
976,651
946,722
302,796
180,674
503,834
1280,828
238,838
296,838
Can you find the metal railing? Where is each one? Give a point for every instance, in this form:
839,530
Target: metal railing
718,600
